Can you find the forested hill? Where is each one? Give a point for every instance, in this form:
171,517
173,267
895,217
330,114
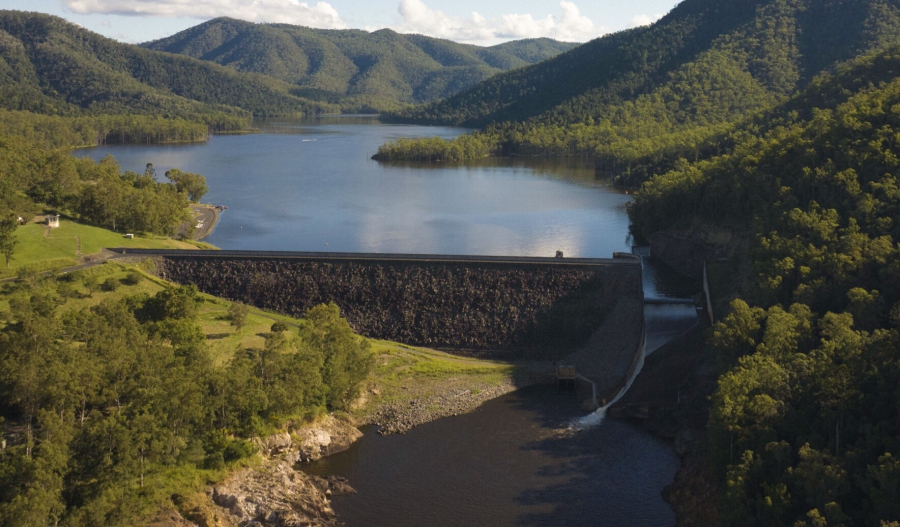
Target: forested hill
370,66
803,426
709,59
51,66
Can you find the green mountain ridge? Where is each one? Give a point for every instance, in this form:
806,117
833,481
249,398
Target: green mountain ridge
51,66
638,101
329,64
780,44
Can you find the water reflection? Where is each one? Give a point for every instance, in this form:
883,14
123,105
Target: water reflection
316,188
509,463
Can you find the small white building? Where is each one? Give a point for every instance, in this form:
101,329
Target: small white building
53,221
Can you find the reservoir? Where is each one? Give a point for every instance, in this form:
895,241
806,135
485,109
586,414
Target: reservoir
311,186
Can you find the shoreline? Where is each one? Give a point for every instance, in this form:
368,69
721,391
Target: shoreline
402,416
278,489
460,386
210,216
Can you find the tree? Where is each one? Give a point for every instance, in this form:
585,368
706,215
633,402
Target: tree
738,334
8,224
193,184
237,314
176,303
347,356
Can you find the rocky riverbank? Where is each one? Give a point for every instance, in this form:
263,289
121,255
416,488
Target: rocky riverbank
275,493
400,417
446,385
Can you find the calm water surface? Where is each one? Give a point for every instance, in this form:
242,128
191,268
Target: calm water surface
311,186
511,462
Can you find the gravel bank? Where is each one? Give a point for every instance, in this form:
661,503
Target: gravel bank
398,417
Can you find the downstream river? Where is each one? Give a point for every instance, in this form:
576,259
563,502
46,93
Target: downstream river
311,186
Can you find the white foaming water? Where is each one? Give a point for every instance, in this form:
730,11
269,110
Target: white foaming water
590,420
596,417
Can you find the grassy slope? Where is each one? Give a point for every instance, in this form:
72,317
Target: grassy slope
404,372
58,249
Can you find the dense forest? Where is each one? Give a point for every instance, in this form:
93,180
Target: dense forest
358,69
121,404
53,131
639,100
803,424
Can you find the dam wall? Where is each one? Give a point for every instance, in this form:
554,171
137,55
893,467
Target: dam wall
531,307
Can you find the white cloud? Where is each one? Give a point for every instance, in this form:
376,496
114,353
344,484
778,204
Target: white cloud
321,15
571,26
645,20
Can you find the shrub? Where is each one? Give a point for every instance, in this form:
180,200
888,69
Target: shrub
237,314
133,278
110,284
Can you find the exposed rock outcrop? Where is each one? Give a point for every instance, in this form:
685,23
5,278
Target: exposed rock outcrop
328,436
276,494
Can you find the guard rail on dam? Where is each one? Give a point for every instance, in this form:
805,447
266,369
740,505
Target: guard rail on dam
528,307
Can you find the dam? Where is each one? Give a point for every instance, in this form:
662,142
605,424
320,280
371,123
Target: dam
587,312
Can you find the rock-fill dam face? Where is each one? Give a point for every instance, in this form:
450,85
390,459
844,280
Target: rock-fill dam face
536,307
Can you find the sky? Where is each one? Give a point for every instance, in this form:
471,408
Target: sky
469,21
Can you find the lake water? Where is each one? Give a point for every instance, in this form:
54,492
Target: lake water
311,186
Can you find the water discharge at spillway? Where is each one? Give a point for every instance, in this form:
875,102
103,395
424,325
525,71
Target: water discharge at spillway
596,417
662,323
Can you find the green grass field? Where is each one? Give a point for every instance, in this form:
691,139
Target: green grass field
406,372
57,248
222,338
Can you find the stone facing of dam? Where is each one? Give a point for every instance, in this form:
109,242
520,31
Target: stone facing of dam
534,307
